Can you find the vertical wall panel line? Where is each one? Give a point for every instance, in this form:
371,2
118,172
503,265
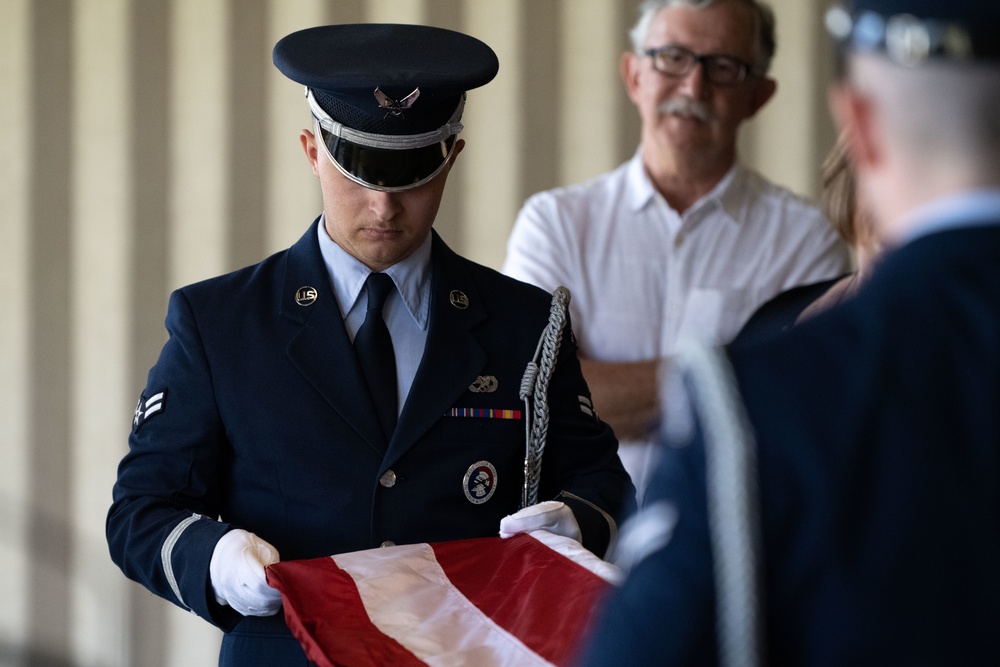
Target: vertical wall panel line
245,119
144,634
395,11
101,235
589,87
449,224
49,529
293,198
541,99
346,11
627,128
15,229
780,141
491,185
199,244
150,159
199,159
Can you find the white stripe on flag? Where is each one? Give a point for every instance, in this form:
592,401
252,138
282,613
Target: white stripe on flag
577,553
526,600
436,623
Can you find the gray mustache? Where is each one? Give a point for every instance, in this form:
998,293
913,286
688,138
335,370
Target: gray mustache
685,106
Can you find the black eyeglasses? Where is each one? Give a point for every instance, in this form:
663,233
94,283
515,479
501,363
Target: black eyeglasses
678,61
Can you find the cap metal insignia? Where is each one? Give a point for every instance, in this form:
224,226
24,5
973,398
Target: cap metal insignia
306,296
484,384
906,39
394,107
458,299
480,482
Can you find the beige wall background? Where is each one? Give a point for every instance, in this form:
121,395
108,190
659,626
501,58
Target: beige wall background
145,144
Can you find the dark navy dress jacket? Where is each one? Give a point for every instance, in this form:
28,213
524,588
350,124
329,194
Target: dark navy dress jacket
877,429
256,416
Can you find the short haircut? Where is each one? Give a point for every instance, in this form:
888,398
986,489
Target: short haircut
943,112
763,24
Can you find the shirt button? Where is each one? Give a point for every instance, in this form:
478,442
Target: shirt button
388,543
388,480
678,240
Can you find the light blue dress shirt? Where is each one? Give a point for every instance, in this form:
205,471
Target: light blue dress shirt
406,310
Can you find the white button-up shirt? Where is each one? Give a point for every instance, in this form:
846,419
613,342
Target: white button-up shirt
643,276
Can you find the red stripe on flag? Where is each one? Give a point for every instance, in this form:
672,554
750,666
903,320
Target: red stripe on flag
483,601
536,594
325,613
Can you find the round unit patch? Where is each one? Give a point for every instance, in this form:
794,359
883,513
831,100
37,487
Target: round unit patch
480,482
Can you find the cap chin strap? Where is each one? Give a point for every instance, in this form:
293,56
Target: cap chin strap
397,142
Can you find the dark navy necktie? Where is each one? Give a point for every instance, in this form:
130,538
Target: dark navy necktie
373,346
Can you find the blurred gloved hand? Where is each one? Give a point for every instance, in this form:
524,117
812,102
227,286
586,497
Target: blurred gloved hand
551,515
237,574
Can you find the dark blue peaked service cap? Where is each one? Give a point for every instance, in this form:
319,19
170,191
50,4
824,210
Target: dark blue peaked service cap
387,98
913,32
344,64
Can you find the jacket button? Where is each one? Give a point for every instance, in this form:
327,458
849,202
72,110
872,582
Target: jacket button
388,480
388,543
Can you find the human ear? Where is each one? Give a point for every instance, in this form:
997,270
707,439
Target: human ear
764,91
629,64
308,141
854,114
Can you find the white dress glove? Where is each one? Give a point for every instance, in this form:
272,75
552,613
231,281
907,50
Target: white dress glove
551,515
237,574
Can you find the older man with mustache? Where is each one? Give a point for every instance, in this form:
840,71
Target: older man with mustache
682,240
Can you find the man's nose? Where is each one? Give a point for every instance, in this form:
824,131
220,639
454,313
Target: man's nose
385,205
694,82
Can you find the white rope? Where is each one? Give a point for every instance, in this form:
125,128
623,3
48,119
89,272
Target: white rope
731,485
535,388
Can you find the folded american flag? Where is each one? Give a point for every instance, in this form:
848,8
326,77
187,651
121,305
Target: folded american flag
526,600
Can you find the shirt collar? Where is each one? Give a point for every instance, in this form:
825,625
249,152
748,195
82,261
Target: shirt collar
969,209
348,275
727,193
640,187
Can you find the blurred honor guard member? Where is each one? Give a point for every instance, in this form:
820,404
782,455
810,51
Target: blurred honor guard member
681,240
876,525
361,388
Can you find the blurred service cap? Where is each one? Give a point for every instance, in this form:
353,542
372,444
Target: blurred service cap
913,32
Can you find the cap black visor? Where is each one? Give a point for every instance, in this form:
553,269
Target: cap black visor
383,168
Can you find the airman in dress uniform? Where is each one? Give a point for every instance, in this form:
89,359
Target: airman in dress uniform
363,387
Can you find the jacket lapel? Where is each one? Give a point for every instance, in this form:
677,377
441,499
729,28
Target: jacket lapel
320,347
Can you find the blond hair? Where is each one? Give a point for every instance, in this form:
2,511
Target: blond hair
839,197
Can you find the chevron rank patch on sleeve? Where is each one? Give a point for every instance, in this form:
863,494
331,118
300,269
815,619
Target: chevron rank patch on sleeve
147,408
587,407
